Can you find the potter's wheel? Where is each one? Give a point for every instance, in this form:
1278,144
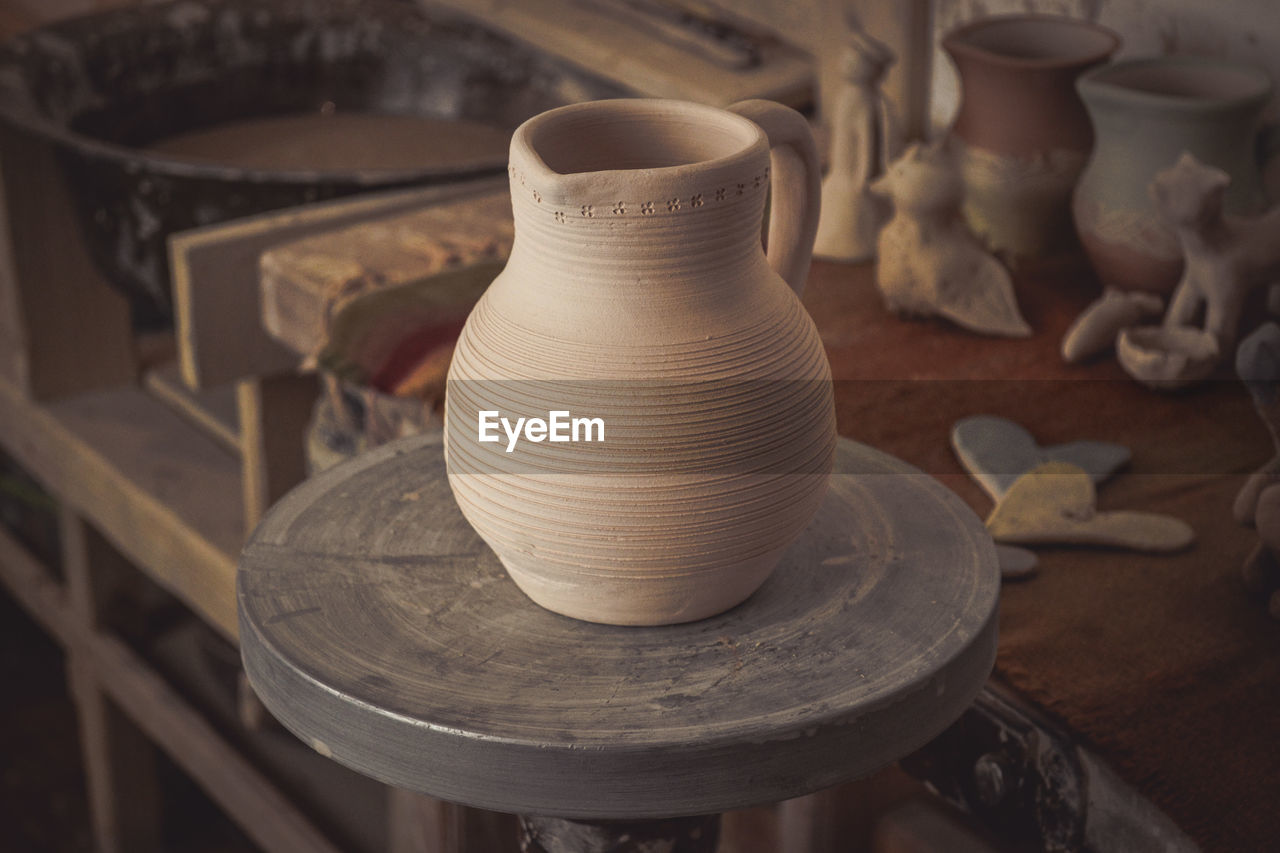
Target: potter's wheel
378,627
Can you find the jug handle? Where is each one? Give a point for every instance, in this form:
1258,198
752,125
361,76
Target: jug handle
795,187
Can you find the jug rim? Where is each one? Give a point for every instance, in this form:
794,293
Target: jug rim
957,42
1103,82
748,138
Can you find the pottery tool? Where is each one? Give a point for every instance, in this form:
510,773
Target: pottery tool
1056,503
997,452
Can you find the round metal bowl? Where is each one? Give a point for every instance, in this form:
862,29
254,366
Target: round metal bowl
103,87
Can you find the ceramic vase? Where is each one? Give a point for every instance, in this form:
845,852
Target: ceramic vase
1021,133
1146,113
637,293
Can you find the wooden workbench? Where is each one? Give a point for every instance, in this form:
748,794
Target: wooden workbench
1162,666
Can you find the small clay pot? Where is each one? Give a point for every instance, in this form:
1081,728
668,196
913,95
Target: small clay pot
1023,132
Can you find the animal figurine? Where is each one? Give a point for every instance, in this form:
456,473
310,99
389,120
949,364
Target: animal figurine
1258,503
930,262
1225,256
862,143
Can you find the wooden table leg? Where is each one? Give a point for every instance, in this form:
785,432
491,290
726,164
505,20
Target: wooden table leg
274,412
698,834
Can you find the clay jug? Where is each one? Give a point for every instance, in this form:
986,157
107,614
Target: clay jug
1145,113
1022,132
638,296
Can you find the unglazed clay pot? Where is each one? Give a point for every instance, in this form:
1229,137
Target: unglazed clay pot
1022,131
1146,113
638,293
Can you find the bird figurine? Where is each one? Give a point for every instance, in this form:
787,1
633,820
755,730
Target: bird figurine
930,262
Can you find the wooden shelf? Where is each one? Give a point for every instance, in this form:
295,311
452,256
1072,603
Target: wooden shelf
107,666
165,491
213,411
165,494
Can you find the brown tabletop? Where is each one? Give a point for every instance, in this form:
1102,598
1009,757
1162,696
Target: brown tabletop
1162,664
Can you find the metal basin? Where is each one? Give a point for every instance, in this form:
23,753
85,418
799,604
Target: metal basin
106,86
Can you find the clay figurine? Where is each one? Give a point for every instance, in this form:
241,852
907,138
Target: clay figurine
1225,258
1097,327
861,147
1056,503
930,263
1167,358
1046,495
997,452
1258,503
